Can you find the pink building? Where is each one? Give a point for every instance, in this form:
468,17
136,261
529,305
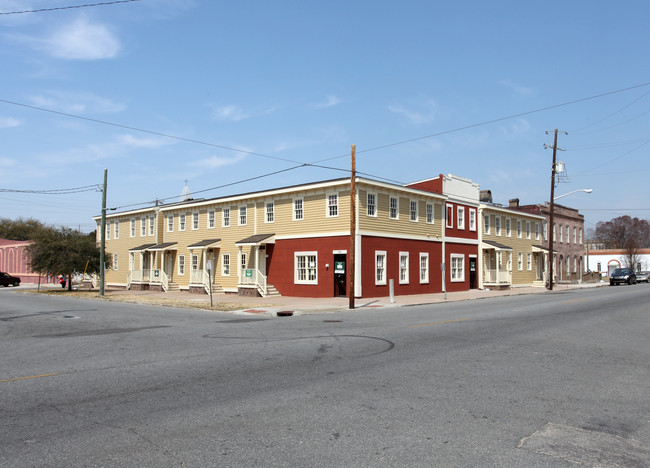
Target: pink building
13,260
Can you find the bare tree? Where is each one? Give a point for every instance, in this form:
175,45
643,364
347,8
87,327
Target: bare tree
629,234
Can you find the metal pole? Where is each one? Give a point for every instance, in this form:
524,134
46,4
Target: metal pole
102,235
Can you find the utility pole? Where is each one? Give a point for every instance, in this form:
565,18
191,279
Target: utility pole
551,227
102,237
353,230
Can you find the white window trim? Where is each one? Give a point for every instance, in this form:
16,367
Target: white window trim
433,213
182,222
224,212
170,223
472,219
196,216
528,233
116,230
239,216
497,226
374,195
404,280
390,211
327,204
181,265
302,209
425,256
115,261
508,227
152,225
224,263
382,281
529,261
212,219
451,262
486,225
520,231
266,212
295,267
417,211
520,261
449,220
143,226
108,230
132,227
460,219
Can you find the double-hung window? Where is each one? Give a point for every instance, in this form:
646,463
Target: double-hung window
371,205
536,231
195,263
211,219
424,268
115,261
460,217
298,210
181,264
132,227
170,223
108,230
195,221
472,219
152,225
226,217
413,210
332,205
520,261
380,267
181,222
143,226
430,214
527,229
306,271
225,264
486,224
270,212
457,267
393,207
529,261
508,228
497,225
519,232
117,230
242,216
403,267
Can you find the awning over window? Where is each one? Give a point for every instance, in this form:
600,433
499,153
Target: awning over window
164,246
142,247
257,239
205,244
491,245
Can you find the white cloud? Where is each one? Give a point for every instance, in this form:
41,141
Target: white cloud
232,113
213,162
519,89
9,122
76,102
80,39
129,141
330,101
417,111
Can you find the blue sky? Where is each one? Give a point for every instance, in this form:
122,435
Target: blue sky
229,91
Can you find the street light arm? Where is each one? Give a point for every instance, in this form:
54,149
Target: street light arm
579,190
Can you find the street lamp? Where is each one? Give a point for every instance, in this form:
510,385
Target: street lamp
586,190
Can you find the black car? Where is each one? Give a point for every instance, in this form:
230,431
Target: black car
7,280
622,275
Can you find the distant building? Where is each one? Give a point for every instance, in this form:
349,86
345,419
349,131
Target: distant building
568,232
15,260
604,261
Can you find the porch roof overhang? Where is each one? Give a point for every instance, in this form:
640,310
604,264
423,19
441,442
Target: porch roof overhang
142,247
257,239
491,245
205,244
539,248
164,246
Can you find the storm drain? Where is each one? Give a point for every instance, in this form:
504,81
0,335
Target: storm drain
285,313
587,447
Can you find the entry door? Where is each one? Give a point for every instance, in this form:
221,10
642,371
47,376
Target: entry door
169,265
261,259
340,275
472,273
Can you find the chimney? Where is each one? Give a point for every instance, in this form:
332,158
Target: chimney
513,203
485,196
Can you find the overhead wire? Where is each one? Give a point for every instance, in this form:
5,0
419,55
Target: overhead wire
70,7
315,163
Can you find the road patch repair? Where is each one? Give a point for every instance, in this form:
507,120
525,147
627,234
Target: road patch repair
585,447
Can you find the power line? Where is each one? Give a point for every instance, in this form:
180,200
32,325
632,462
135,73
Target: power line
40,10
65,191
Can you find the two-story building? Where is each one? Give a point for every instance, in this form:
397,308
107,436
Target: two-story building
294,240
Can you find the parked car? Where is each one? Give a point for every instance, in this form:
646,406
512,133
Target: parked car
642,276
622,275
7,280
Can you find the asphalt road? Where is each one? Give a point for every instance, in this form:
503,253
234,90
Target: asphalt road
546,380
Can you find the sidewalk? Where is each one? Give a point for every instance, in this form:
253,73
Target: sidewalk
287,306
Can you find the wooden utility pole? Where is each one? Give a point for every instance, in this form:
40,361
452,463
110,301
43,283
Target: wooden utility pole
353,224
102,237
551,227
